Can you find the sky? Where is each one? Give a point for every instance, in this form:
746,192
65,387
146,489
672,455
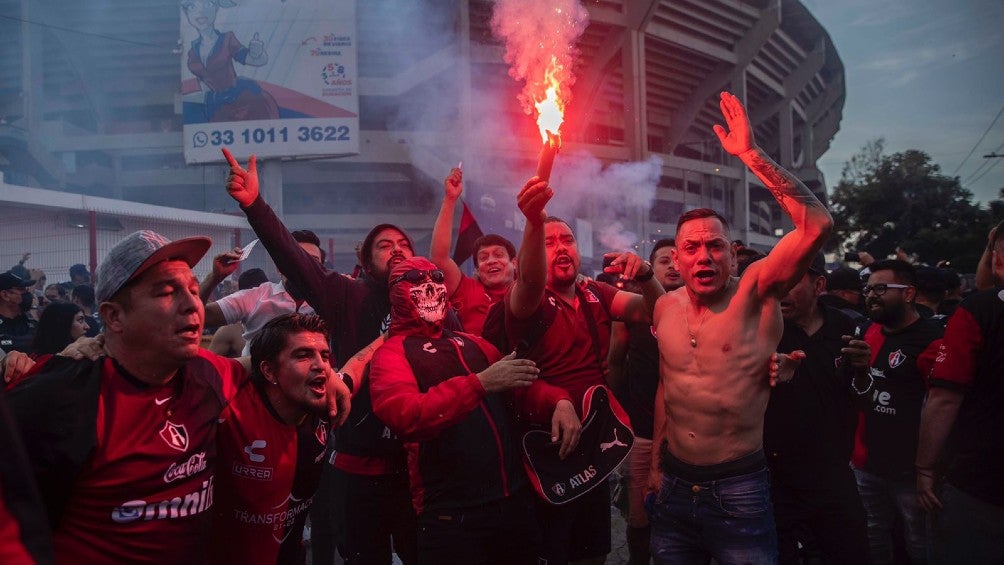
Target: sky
922,74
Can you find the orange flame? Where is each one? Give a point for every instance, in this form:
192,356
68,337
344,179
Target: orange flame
551,109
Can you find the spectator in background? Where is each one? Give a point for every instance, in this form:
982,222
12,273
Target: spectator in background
904,347
960,459
60,325
843,292
254,307
809,430
745,256
953,292
931,289
56,293
228,340
79,274
17,330
83,296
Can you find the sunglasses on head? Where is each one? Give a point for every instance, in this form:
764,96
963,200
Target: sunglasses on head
415,276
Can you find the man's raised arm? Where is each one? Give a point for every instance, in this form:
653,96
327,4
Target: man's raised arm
439,249
791,257
302,270
528,289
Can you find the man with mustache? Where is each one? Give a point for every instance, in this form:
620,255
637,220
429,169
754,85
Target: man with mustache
494,262
709,493
571,353
369,479
904,346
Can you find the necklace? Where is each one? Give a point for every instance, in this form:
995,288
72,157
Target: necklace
693,335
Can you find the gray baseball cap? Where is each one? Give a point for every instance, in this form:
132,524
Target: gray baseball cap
140,251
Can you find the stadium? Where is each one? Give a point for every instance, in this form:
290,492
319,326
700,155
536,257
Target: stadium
91,122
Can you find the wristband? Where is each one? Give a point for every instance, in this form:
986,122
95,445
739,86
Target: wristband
647,276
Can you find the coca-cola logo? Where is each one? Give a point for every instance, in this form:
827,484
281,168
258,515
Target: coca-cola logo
195,464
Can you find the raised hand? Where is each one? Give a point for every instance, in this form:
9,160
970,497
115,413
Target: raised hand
627,264
532,199
225,264
508,373
454,184
739,137
242,184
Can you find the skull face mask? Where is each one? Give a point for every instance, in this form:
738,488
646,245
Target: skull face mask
430,301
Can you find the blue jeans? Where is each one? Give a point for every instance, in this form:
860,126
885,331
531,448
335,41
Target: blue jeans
884,501
727,519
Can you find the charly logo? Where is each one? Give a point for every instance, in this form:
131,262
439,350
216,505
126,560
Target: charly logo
558,489
192,466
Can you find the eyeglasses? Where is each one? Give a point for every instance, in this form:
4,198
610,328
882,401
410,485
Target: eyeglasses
881,288
417,275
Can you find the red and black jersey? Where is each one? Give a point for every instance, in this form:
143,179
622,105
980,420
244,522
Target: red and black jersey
266,474
567,353
887,434
357,311
126,469
971,359
472,300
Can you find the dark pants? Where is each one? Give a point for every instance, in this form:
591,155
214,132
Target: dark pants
324,519
376,510
966,529
828,521
577,530
504,532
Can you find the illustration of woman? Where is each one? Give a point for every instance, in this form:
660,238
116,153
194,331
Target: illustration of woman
229,98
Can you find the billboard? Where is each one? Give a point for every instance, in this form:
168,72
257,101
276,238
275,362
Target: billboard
276,78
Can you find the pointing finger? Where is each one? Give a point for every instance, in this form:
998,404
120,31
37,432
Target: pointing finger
230,158
253,164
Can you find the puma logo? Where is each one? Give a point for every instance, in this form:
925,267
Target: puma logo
607,445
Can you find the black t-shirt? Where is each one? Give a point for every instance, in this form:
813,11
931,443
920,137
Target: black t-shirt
641,372
16,334
809,423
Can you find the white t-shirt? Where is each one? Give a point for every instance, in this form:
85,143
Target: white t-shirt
254,307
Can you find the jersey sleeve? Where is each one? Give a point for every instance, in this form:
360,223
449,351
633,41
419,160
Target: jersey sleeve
410,413
955,363
232,373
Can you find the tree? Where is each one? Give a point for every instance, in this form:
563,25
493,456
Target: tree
902,200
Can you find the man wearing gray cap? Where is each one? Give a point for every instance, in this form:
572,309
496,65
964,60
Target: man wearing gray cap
123,448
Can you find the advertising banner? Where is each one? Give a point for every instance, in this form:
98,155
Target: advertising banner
276,78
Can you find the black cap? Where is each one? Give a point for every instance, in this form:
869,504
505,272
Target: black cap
818,266
10,280
843,278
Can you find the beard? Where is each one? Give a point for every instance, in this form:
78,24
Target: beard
886,314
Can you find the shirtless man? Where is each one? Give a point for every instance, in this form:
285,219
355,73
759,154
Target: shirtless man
709,480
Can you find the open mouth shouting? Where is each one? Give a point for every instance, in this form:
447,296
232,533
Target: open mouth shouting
318,385
705,277
190,332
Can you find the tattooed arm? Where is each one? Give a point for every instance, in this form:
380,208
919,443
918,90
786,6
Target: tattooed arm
790,258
